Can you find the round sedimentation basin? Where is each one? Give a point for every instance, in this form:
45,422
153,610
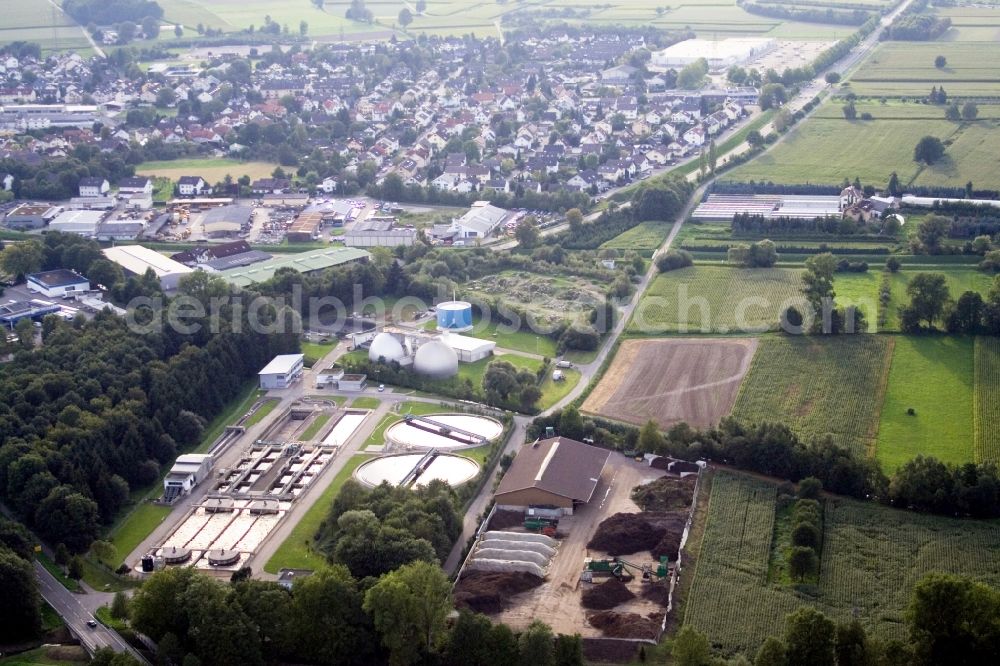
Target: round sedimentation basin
452,469
444,431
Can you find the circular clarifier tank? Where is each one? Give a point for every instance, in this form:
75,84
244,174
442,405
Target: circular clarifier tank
443,431
454,470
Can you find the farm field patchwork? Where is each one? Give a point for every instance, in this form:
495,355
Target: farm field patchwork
872,557
819,385
37,22
716,299
934,376
673,380
907,68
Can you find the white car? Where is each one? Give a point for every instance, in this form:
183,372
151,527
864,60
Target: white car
381,388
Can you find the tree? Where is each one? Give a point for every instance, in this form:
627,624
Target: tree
805,534
953,113
692,75
150,27
328,625
771,653
570,423
772,95
74,569
303,28
421,6
852,645
178,31
67,516
535,646
892,265
850,111
755,139
928,150
931,231
809,638
650,438
673,259
832,78
967,314
22,603
690,648
105,552
527,233
408,608
969,111
893,188
952,620
405,17
119,606
940,61
801,563
19,259
810,488
575,219
928,294
713,157
569,650
25,330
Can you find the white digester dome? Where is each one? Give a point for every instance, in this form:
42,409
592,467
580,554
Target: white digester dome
436,359
386,346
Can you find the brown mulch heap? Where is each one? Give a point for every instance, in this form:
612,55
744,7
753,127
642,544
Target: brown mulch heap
608,650
624,625
502,520
606,595
657,593
627,533
668,493
489,591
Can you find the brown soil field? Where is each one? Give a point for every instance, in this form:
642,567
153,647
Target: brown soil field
673,380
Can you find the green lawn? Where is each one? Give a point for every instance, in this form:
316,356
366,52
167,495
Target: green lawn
907,69
262,412
137,525
315,426
933,375
479,453
366,402
553,391
296,551
314,351
46,656
377,437
523,341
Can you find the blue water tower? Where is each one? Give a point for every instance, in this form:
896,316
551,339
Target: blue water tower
454,316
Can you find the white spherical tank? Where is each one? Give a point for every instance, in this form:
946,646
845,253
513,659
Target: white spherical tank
437,360
386,346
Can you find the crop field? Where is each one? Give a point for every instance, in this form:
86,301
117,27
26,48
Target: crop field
668,381
972,24
646,236
907,68
987,405
716,299
817,386
934,376
37,22
212,170
872,557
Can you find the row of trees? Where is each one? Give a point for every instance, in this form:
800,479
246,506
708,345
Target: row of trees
329,617
106,12
826,14
931,302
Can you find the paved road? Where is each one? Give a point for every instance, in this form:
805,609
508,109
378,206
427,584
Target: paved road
71,609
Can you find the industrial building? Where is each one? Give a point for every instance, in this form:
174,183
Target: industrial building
720,54
379,232
222,256
26,117
282,371
57,283
558,472
430,354
188,471
31,216
121,229
226,221
305,228
136,260
480,222
303,262
454,316
14,311
82,222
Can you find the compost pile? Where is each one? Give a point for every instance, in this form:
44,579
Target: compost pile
624,625
502,520
625,533
607,595
489,591
658,593
668,493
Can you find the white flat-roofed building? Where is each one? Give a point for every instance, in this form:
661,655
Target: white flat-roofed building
82,222
482,220
136,259
282,371
469,349
720,54
57,283
188,471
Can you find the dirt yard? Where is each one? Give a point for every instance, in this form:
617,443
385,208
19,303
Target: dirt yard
673,380
558,601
